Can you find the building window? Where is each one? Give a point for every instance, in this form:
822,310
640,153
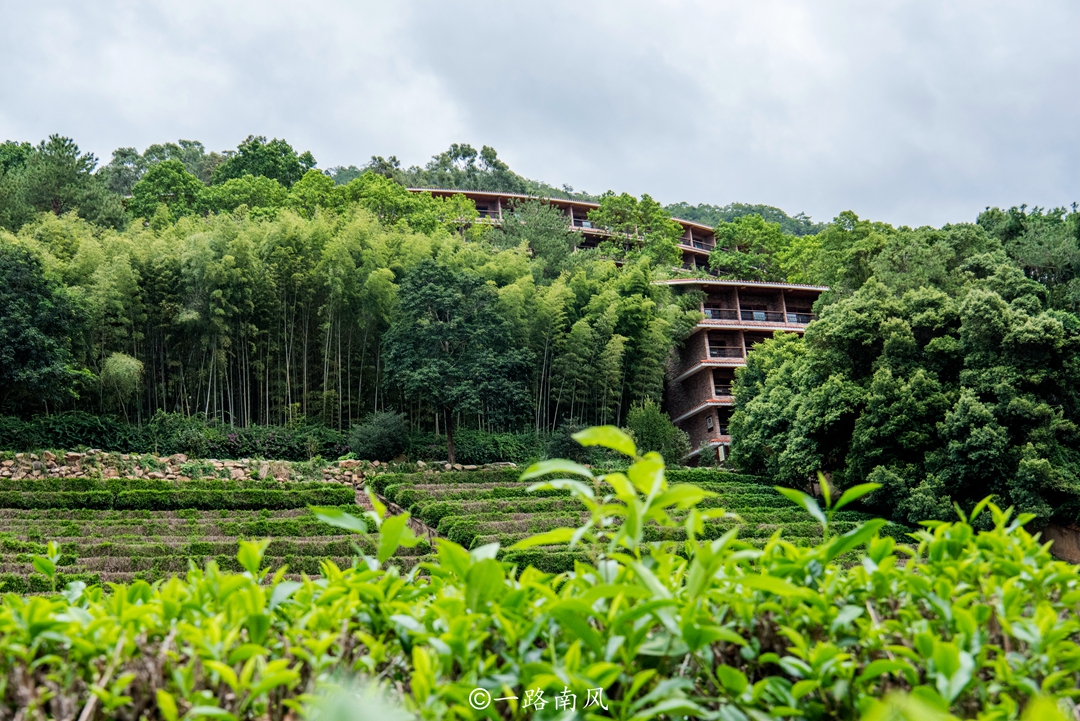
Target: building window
709,422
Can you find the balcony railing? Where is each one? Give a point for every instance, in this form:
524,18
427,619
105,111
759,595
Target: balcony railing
722,313
763,316
701,246
760,316
722,391
720,351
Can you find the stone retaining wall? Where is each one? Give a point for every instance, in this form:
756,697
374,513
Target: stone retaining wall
96,463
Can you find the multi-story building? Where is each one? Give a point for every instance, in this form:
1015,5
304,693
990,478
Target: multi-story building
696,242
737,314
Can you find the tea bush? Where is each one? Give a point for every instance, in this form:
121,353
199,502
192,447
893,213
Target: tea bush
974,623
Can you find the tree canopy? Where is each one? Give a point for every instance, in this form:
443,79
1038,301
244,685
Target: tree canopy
256,156
449,345
945,375
36,317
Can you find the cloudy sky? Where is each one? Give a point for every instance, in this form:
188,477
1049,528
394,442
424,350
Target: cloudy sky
909,112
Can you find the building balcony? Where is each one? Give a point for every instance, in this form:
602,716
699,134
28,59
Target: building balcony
721,314
721,390
720,351
759,316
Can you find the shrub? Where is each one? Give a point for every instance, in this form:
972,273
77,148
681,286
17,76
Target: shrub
561,444
653,430
478,447
380,437
169,433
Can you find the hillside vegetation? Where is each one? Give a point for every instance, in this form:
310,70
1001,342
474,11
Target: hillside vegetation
976,623
252,291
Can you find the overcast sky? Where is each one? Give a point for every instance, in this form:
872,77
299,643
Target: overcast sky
909,112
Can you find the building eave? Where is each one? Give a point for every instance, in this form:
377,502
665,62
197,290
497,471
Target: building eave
702,407
765,285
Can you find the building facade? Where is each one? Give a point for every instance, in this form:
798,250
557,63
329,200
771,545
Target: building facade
737,315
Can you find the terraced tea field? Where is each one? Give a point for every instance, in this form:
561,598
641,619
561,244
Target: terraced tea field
483,507
123,529
112,527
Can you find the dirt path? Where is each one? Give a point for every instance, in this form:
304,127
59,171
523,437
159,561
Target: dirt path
418,527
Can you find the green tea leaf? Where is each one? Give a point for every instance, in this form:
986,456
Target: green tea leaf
339,518
854,538
483,583
44,566
768,583
732,679
574,617
608,437
453,557
166,705
393,534
576,487
804,500
683,495
555,465
197,712
549,538
250,555
855,493
282,591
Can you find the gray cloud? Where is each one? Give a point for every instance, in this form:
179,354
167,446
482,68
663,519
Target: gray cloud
907,112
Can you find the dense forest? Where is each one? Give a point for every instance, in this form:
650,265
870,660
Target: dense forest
251,287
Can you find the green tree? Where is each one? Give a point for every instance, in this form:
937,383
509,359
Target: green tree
940,398
342,175
256,156
191,153
13,211
168,183
543,228
797,225
449,347
36,324
1045,243
462,167
315,190
256,192
120,378
124,170
57,178
749,248
647,228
